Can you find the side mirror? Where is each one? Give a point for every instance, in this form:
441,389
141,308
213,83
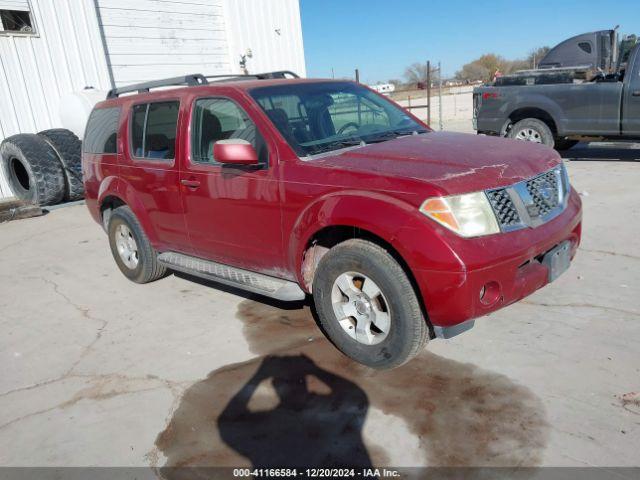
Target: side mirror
235,151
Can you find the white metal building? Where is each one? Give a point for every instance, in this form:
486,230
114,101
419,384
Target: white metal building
50,48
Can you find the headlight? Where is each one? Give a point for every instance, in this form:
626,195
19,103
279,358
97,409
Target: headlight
468,215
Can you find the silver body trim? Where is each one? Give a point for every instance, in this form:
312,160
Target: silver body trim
236,277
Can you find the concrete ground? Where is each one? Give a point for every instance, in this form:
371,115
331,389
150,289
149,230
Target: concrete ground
97,370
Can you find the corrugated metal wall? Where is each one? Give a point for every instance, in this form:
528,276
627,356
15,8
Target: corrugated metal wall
271,29
64,55
144,40
18,5
151,39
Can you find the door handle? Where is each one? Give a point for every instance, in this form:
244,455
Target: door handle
636,93
190,183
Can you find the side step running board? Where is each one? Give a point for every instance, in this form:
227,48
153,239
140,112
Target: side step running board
235,277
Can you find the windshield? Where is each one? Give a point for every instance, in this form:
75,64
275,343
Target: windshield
321,117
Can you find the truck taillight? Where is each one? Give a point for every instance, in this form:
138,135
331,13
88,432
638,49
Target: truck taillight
488,95
476,101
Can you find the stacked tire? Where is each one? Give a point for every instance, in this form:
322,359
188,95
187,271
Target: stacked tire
44,169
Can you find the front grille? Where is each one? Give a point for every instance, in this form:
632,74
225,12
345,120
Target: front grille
544,192
503,207
531,202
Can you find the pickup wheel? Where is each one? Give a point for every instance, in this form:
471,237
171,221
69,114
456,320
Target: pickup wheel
367,306
532,130
131,248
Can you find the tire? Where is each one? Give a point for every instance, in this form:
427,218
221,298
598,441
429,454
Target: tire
147,268
406,332
564,144
532,130
32,169
69,150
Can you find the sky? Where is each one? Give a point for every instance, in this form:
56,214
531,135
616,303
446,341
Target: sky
381,38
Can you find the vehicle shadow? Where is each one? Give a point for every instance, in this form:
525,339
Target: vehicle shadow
300,402
600,151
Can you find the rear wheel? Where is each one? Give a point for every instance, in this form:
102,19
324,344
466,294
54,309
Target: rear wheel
131,248
532,130
367,306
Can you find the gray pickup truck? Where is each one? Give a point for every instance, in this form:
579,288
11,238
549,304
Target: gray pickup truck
586,88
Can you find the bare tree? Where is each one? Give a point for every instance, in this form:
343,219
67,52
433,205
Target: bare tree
417,73
473,71
536,55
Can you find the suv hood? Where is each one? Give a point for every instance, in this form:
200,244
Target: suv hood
453,162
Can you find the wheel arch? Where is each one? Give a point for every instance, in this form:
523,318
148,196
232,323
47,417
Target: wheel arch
354,209
115,193
531,112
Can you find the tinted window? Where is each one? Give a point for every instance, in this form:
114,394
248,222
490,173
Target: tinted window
101,133
220,119
153,130
15,21
138,119
585,46
324,116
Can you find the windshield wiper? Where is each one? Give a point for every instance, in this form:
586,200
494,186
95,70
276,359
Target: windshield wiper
337,144
384,136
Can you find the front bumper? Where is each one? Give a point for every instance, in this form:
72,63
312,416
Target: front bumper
508,266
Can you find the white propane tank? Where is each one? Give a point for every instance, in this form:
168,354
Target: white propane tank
76,107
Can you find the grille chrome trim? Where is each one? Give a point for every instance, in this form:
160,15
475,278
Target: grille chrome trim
528,199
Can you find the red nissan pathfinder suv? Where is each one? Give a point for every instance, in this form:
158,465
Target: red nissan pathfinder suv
292,187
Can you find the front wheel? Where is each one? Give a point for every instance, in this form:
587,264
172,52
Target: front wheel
367,306
532,130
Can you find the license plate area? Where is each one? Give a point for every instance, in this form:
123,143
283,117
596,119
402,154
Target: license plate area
557,260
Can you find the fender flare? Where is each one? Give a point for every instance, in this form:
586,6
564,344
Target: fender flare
118,188
345,208
538,102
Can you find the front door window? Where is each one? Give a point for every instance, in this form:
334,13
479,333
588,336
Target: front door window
222,119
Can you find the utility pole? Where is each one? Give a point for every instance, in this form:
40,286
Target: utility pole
440,95
359,101
428,93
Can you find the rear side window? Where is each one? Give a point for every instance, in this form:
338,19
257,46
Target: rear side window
153,130
101,134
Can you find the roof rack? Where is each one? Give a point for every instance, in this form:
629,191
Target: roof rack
196,79
253,76
188,80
